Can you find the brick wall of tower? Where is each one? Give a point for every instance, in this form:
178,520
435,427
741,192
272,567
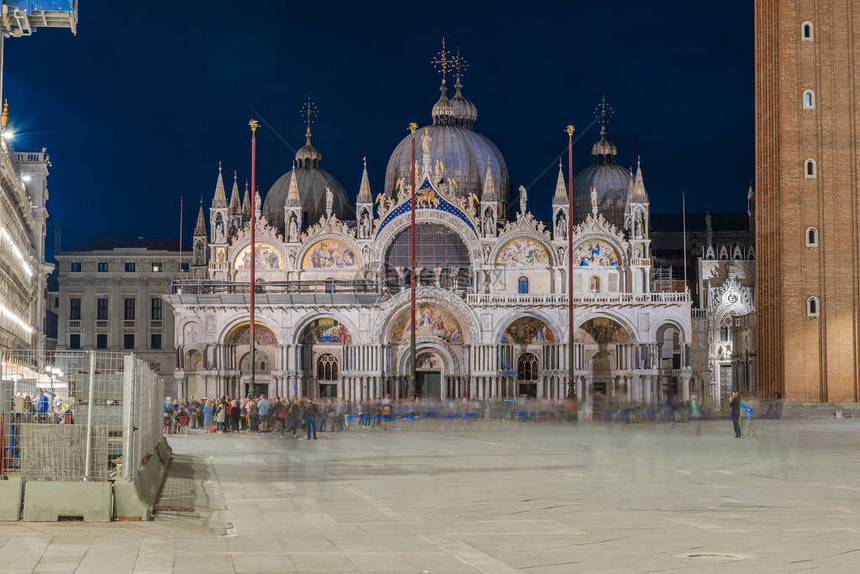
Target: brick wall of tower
808,358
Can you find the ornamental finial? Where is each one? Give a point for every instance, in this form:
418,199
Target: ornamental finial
569,131
603,113
443,61
310,111
412,127
254,124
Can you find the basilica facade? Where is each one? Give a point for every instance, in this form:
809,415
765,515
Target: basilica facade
333,282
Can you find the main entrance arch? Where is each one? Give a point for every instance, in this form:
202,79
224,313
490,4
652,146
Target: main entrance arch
321,356
266,352
605,343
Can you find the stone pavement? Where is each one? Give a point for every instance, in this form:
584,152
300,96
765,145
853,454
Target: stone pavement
493,497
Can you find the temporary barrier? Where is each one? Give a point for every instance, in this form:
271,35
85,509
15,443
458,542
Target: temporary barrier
76,419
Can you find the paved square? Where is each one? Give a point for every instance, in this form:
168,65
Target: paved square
495,497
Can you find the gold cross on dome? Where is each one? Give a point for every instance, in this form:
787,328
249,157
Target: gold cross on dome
310,111
603,112
443,61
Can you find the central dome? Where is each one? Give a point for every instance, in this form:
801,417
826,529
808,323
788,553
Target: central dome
458,154
312,182
609,179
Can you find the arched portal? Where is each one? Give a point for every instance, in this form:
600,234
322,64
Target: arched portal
238,343
321,356
528,345
604,344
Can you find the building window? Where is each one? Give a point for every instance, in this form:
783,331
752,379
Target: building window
129,309
808,100
129,266
811,237
75,309
527,367
807,32
327,368
594,284
810,170
75,341
156,267
103,267
156,309
102,309
75,267
155,341
101,341
329,285
813,307
128,341
523,285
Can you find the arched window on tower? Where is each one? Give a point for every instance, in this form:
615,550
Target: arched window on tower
523,285
808,100
813,307
807,33
810,170
811,237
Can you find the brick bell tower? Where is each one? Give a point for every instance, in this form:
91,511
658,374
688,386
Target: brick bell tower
807,196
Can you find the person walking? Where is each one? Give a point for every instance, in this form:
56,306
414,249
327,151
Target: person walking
735,405
263,413
311,412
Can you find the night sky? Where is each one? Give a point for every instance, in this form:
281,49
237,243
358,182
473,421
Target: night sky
139,107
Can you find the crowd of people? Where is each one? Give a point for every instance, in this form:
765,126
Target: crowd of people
304,416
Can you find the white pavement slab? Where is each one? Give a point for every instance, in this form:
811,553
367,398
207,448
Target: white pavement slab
490,497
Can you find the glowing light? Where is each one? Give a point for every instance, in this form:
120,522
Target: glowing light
6,312
26,178
24,265
8,135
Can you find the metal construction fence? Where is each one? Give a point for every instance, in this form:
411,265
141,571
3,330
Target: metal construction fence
77,415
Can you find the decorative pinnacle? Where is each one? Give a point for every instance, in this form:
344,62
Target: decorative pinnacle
254,124
364,159
412,127
569,131
603,113
310,111
443,62
460,64
219,166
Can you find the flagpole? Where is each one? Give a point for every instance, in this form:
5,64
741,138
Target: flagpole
684,233
571,356
181,205
254,124
413,383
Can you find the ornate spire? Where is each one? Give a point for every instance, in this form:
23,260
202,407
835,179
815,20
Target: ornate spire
220,199
246,202
293,198
489,192
235,207
364,195
465,112
200,228
640,195
603,150
560,197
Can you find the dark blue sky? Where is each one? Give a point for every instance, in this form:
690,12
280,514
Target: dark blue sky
139,107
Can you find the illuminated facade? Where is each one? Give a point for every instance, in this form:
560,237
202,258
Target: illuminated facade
23,271
333,276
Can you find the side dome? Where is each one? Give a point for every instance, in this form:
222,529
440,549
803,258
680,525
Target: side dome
312,182
610,180
459,155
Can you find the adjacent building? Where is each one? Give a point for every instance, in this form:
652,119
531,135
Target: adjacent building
114,295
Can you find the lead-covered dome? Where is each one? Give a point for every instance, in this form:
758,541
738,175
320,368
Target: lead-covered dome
312,182
459,154
609,179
